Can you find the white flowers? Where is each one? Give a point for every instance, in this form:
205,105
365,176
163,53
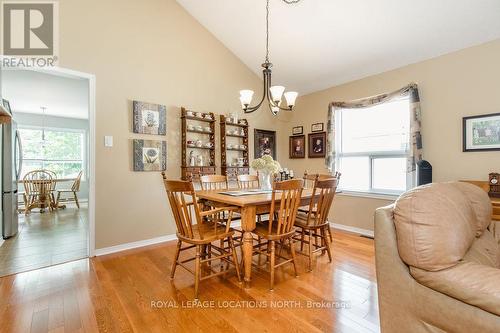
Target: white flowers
266,164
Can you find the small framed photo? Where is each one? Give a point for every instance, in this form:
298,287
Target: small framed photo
297,130
297,146
481,133
150,155
317,144
264,143
318,127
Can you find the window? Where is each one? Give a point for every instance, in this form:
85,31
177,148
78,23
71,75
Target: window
372,147
62,151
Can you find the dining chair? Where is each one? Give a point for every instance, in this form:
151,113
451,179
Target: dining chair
314,223
75,188
214,182
37,189
198,231
279,229
53,189
248,181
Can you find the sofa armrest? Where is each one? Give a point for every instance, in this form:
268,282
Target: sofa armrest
471,283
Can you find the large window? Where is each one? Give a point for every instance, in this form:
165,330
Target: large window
58,150
372,147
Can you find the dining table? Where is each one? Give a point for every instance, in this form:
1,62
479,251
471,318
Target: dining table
249,206
43,192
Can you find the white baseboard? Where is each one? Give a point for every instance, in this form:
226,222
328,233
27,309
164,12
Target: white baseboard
133,245
364,232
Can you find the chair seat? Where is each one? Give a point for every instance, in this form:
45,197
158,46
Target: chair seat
207,233
262,230
302,222
65,191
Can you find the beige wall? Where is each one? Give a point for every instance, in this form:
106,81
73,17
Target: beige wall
452,86
153,51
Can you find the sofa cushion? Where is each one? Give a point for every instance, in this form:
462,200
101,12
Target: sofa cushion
471,283
433,226
481,204
484,251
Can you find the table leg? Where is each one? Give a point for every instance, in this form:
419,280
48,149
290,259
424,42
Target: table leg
247,224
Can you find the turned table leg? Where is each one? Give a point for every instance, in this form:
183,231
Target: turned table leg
248,224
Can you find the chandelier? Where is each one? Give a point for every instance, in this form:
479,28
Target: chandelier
273,94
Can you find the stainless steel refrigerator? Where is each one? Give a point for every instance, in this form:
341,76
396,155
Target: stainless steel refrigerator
11,170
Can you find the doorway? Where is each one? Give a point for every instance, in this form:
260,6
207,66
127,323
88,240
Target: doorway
54,112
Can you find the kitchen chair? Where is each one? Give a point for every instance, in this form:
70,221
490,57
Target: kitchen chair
201,235
53,189
314,223
75,188
214,182
37,189
280,226
248,181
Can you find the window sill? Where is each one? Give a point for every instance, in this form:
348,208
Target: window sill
371,195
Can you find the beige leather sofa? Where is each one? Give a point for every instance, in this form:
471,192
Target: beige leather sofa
438,261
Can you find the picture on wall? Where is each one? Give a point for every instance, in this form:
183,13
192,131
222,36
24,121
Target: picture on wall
264,143
318,127
149,118
150,155
317,144
481,133
297,146
297,130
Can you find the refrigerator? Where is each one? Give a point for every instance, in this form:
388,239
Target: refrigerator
11,170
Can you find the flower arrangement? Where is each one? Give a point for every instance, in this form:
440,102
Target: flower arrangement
266,164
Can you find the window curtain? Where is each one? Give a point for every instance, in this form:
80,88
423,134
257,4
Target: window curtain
415,144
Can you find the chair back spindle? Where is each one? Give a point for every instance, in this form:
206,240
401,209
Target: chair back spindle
213,182
318,213
248,181
283,217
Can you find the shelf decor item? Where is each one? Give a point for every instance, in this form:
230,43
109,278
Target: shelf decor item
317,144
266,167
150,155
297,146
318,127
200,160
481,133
264,143
234,155
297,130
149,118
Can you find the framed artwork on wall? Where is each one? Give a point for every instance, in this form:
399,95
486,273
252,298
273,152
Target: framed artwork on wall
481,133
149,118
150,155
317,144
318,127
264,143
297,146
297,130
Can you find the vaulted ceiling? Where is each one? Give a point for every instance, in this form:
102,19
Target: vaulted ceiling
316,44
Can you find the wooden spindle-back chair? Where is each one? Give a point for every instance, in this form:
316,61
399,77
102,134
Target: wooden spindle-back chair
214,182
73,192
200,229
248,181
38,186
279,228
315,222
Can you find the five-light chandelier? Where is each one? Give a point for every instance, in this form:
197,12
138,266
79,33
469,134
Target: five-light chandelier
273,94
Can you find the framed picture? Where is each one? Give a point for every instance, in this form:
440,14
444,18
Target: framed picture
150,155
317,144
6,105
481,133
264,143
297,147
149,118
318,127
297,130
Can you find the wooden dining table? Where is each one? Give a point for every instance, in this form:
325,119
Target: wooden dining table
43,192
249,207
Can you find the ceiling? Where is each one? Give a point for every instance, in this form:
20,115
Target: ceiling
316,44
63,96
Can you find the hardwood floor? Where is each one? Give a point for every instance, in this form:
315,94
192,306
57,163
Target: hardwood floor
131,292
46,239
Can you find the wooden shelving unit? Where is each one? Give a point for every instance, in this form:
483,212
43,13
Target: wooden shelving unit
226,130
189,172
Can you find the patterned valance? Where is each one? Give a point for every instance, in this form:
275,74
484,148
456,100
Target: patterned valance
411,90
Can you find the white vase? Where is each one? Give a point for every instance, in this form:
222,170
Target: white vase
265,180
